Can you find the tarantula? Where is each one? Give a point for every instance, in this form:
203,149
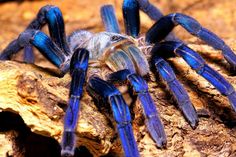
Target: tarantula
127,63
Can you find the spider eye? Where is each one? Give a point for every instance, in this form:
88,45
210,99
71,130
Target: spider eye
115,38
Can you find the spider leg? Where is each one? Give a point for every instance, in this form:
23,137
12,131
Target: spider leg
45,45
165,25
109,19
100,88
153,12
12,48
53,17
198,64
131,17
29,54
47,14
177,89
130,14
78,69
36,24
140,87
56,28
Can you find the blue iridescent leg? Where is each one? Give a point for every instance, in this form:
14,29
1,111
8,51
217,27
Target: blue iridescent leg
56,28
153,12
109,19
47,14
130,14
130,10
45,45
36,24
78,69
12,48
165,25
29,54
53,17
177,89
140,87
109,94
132,20
198,64
15,46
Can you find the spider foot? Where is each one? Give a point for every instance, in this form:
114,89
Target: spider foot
68,144
232,100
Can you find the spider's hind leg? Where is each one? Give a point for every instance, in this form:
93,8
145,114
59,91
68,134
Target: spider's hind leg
47,14
165,25
197,63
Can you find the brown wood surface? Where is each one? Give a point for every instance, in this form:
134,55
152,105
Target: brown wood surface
40,98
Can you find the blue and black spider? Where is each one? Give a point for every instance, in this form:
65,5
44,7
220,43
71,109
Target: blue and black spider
85,54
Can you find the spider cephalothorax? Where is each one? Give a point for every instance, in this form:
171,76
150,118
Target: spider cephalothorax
83,51
114,50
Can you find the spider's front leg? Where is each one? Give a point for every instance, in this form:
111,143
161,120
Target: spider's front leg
78,69
140,88
100,89
33,36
